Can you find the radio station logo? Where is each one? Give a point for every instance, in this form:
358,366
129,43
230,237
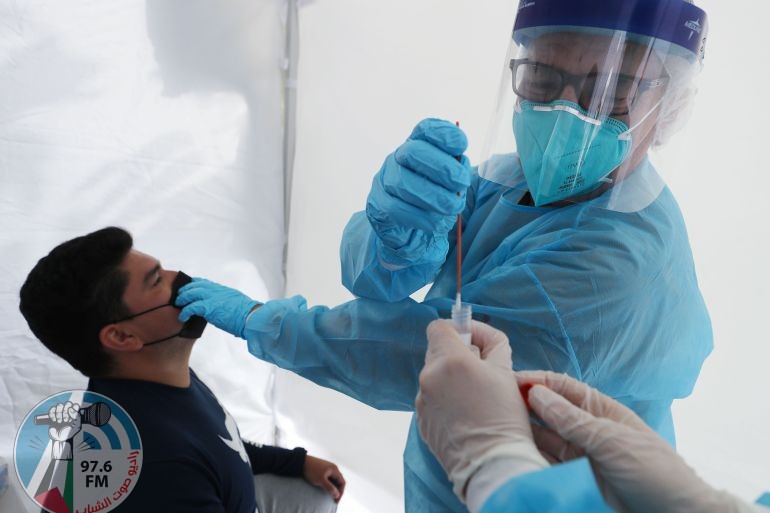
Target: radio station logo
78,452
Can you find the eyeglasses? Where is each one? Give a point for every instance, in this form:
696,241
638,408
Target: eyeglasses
542,83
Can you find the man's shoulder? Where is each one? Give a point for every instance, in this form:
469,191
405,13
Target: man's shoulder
159,413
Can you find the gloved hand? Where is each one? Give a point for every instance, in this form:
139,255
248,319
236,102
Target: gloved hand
414,199
225,308
637,471
469,409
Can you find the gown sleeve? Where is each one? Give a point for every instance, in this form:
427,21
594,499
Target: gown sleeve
565,488
369,350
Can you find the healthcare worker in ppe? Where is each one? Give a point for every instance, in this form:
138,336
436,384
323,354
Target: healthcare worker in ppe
574,246
473,417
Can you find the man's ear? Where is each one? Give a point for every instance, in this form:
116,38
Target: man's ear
117,338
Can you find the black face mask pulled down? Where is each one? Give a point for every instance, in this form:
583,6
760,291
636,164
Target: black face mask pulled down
191,329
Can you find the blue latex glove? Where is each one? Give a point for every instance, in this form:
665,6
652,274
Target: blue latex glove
414,199
225,308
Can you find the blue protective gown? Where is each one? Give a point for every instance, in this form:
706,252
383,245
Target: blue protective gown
535,493
609,297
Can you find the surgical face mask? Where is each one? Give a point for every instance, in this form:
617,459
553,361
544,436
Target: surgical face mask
565,152
192,329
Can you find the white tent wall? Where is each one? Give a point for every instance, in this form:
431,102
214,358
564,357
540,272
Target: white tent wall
163,117
371,70
722,186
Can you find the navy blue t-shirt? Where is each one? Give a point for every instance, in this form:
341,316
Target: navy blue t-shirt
194,460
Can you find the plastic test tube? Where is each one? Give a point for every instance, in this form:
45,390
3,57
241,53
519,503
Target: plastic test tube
461,318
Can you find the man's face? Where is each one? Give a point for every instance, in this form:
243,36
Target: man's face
149,286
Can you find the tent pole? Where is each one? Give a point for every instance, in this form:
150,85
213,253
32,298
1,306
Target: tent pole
290,120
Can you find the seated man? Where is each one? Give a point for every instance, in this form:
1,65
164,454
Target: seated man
107,309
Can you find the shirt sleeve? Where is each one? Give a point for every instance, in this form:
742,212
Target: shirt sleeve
266,459
174,486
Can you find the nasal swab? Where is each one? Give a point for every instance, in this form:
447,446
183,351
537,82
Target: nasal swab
461,314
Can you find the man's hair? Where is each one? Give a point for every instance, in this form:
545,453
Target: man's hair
73,292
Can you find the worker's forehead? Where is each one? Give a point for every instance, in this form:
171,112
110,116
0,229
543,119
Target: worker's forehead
583,51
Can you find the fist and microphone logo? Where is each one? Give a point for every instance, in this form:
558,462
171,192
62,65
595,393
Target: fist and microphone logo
66,421
78,452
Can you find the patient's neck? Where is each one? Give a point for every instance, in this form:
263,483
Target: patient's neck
169,365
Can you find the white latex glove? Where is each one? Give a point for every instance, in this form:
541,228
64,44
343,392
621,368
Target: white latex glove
637,471
469,409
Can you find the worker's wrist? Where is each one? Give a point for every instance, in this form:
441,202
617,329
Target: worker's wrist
495,473
253,309
728,503
389,258
520,450
395,259
390,267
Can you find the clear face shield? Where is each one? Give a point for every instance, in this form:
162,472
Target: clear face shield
589,86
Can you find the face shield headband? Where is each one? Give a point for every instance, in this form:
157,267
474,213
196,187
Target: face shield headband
676,21
192,329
